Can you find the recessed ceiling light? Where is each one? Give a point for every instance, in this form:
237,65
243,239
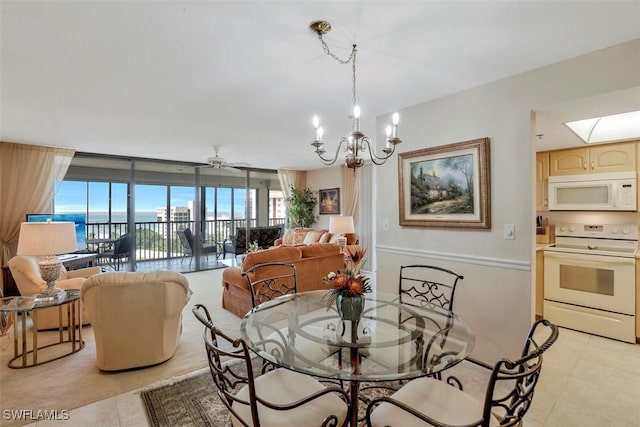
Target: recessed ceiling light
617,127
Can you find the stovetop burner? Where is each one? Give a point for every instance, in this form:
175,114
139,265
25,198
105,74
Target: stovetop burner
619,240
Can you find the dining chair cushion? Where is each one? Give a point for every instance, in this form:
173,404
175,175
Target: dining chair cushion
437,399
282,386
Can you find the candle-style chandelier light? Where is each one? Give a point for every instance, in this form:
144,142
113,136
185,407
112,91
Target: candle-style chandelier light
357,142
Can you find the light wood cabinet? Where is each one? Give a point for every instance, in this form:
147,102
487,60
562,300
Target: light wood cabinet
542,181
540,284
569,162
597,159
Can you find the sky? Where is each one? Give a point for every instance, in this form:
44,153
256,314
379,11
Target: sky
71,196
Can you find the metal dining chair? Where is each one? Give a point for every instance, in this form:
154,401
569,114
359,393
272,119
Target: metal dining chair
507,399
279,397
271,280
429,284
423,285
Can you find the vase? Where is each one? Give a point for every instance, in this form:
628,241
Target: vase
350,308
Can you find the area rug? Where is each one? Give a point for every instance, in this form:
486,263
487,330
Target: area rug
193,401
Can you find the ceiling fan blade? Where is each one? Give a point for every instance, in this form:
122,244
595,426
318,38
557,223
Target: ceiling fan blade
232,169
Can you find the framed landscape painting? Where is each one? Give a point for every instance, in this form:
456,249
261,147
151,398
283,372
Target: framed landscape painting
329,201
446,186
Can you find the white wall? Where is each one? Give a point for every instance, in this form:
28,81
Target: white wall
495,295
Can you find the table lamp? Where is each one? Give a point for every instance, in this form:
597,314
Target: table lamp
341,225
49,239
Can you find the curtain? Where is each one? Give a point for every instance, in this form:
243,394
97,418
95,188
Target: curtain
28,175
290,177
350,190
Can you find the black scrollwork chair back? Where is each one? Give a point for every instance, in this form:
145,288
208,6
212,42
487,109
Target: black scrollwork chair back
429,284
271,280
507,398
271,398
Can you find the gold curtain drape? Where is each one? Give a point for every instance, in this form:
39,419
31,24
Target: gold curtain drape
350,190
28,174
290,177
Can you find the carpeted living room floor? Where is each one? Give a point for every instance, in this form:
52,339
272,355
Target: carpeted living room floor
74,381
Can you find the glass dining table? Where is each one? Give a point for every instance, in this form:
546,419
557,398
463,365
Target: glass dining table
396,338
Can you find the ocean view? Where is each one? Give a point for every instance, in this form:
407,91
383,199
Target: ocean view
142,216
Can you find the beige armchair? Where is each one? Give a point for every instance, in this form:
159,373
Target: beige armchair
136,317
26,273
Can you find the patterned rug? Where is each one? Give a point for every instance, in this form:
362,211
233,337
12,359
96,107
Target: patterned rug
193,401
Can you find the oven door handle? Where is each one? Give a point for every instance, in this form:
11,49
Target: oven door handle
587,257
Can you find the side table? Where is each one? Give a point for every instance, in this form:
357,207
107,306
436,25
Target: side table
70,340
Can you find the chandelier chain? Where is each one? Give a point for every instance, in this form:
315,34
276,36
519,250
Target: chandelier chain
356,144
351,59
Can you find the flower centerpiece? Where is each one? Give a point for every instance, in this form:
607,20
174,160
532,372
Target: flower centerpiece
348,287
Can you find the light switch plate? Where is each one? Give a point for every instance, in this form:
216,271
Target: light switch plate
509,232
385,225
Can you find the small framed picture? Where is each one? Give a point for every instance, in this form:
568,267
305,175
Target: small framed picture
330,201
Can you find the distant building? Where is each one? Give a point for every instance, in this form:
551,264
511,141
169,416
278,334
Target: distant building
179,215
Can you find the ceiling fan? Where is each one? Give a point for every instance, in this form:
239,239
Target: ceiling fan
221,163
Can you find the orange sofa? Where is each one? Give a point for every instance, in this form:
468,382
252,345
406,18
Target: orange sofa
312,262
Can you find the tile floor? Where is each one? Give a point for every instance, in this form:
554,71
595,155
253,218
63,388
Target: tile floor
586,381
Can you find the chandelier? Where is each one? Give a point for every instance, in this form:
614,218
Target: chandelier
357,143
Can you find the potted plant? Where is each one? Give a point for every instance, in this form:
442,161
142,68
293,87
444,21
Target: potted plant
301,205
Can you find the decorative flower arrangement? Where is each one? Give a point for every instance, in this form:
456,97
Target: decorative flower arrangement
355,258
347,282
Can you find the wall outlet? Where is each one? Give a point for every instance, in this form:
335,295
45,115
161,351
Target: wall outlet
509,232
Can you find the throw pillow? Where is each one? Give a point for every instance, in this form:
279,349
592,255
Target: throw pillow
326,236
299,235
287,239
312,237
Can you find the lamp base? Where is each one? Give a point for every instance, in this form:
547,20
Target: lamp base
50,272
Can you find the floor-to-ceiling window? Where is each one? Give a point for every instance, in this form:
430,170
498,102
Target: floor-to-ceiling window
158,198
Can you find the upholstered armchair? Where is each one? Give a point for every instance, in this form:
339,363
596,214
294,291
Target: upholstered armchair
136,317
26,273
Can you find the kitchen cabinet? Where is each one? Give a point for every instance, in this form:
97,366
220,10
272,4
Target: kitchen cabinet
542,181
596,159
540,283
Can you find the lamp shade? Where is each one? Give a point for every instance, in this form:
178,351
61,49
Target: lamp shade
341,225
47,238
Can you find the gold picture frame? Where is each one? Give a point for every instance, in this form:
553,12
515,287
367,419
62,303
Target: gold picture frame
446,186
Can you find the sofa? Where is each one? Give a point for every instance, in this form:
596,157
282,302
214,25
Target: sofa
26,273
308,236
264,236
312,262
136,316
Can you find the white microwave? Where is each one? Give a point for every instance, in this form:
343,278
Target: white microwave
614,191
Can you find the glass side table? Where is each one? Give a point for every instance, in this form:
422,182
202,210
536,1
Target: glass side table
69,341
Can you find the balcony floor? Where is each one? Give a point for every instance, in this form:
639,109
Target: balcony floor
181,265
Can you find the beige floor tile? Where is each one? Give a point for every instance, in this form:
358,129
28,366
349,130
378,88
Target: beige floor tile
569,414
602,398
130,409
102,413
614,378
619,355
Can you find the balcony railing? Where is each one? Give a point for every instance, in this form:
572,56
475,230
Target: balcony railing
159,240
